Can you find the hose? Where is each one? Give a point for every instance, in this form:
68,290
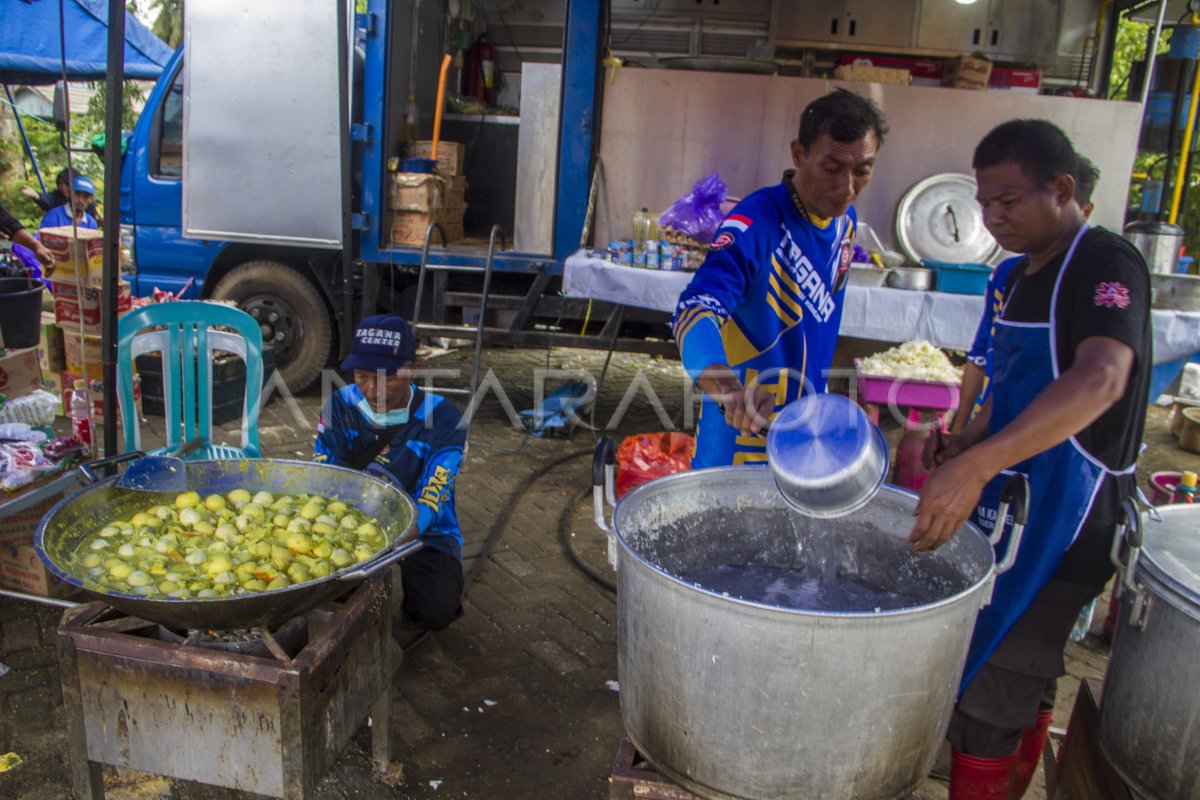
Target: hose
500,524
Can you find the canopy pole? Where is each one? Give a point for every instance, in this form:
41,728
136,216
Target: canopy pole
25,138
1152,55
114,90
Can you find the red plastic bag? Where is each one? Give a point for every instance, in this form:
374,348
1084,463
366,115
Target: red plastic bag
646,456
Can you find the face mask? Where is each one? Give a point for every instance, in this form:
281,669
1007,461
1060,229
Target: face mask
395,417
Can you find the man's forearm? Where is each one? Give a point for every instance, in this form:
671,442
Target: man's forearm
1063,409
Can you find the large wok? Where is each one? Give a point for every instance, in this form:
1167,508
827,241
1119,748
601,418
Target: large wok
80,514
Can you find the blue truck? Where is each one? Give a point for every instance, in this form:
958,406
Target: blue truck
216,204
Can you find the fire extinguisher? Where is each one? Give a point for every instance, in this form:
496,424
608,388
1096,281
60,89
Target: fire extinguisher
480,71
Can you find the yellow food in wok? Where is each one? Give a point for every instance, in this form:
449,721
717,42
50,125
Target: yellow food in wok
214,546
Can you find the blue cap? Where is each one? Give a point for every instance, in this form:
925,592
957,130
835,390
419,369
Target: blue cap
381,342
83,184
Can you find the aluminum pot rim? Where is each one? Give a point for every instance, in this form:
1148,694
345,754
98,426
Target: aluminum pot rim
77,582
1158,580
680,477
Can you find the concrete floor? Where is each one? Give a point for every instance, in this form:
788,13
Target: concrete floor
517,699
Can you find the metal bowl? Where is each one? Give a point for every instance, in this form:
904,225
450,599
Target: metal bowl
827,457
916,279
868,275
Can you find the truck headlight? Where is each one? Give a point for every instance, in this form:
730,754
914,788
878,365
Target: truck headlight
128,254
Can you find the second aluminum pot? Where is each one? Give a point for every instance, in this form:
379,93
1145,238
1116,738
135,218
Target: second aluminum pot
737,699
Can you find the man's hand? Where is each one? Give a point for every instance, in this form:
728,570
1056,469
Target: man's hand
747,410
941,447
30,192
947,500
26,239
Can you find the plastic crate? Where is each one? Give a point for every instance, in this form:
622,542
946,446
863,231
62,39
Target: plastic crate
963,278
903,393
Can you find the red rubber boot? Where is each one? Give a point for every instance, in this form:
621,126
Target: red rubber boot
1029,752
974,778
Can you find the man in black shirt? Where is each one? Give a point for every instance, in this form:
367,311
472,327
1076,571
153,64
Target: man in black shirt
1072,349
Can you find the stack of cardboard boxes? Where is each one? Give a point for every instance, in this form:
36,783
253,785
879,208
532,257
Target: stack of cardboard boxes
417,199
74,352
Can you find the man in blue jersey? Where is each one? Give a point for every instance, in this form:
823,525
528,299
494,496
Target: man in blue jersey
82,195
384,422
757,326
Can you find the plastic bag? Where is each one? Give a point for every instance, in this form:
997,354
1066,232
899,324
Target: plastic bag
646,456
698,213
36,409
20,463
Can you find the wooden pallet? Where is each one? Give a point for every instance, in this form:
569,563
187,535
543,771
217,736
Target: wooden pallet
635,778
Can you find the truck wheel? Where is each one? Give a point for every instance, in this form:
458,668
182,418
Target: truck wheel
290,312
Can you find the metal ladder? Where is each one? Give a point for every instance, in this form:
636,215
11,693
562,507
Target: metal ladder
456,331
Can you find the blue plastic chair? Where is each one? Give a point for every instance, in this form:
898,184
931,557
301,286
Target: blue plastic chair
187,346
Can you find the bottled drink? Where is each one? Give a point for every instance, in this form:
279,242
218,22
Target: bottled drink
645,229
910,472
81,414
1186,491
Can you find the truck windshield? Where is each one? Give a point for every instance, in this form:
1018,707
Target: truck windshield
169,159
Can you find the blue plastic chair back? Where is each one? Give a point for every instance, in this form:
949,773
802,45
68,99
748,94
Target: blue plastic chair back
187,346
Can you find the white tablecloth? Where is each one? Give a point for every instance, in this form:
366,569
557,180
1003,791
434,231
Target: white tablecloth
880,314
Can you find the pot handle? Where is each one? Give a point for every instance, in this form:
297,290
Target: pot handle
1129,532
1014,495
88,469
373,568
603,466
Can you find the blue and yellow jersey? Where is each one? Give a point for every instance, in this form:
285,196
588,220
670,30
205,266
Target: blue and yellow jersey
980,353
424,456
767,301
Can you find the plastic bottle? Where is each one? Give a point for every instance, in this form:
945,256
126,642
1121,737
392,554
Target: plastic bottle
82,413
1186,491
645,229
910,473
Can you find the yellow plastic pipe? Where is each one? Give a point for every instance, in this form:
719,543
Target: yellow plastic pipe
1188,131
437,111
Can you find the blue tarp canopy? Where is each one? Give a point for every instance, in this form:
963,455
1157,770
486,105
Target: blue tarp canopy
29,42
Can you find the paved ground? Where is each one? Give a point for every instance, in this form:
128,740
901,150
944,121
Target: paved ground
514,700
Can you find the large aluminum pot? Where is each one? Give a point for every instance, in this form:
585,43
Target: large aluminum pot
739,699
79,515
1158,242
1150,706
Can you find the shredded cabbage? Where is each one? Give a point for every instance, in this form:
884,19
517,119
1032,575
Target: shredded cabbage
918,360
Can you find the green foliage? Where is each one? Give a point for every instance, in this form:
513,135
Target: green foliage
1130,48
52,158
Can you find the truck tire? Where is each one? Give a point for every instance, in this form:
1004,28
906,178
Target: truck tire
290,312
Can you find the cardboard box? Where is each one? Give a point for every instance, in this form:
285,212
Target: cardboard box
924,71
872,74
18,529
967,72
99,398
415,191
78,254
77,306
450,155
52,382
52,354
1021,81
80,348
22,571
409,227
20,373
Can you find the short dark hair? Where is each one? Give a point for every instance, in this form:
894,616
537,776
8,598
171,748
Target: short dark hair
844,115
67,176
1039,146
1085,181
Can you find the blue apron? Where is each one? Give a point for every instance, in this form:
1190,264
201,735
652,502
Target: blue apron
1063,480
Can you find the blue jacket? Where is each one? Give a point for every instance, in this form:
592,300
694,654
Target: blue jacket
60,217
424,456
767,301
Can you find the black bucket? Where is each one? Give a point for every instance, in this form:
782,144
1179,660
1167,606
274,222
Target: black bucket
21,311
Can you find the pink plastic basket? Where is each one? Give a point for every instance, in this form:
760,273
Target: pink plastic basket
901,393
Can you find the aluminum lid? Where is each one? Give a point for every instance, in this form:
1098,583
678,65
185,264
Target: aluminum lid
939,218
828,459
1171,549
